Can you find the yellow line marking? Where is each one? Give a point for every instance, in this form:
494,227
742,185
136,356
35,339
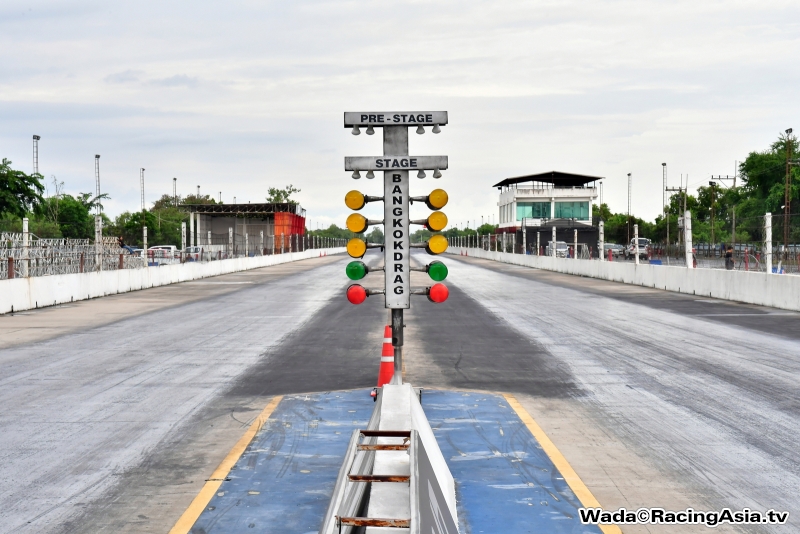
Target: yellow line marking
570,476
190,516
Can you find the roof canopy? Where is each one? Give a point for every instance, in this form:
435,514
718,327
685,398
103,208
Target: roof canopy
238,209
563,179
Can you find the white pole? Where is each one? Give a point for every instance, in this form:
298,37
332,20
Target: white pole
524,238
553,243
197,233
230,242
575,245
246,245
98,241
768,241
636,243
191,229
262,242
282,242
25,248
538,242
144,245
209,238
183,236
602,245
687,238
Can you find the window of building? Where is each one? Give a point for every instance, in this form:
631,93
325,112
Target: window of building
572,210
533,210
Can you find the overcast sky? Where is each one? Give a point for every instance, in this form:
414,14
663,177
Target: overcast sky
240,96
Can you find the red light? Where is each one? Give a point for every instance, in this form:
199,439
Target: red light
438,293
356,294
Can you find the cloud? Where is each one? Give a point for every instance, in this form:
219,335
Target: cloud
246,95
127,76
179,80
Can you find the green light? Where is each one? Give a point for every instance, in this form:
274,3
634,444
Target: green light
437,271
356,270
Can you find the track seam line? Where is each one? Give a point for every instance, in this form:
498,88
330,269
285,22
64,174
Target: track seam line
199,503
575,483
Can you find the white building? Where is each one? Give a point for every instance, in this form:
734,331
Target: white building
548,199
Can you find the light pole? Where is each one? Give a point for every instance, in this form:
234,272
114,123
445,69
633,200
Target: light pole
666,210
786,209
713,186
629,209
175,191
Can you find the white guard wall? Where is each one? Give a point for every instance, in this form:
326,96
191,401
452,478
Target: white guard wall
777,291
20,294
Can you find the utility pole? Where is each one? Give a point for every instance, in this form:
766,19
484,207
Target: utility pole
786,195
98,221
664,205
713,198
144,218
629,208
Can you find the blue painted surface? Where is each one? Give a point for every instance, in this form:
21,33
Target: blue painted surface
504,480
283,481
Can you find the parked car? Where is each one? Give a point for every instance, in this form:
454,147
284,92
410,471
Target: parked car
192,253
616,250
163,251
641,249
561,249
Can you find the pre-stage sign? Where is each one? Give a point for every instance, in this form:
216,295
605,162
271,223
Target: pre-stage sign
388,163
394,118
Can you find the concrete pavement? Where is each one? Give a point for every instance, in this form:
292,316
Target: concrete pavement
120,407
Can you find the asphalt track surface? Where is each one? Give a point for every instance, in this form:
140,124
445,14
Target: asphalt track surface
656,399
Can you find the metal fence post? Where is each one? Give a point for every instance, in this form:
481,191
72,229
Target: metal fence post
602,247
183,236
687,239
246,245
144,246
282,239
98,242
575,246
230,242
636,244
262,242
553,243
768,241
25,248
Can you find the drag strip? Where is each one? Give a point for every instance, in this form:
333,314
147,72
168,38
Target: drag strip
710,404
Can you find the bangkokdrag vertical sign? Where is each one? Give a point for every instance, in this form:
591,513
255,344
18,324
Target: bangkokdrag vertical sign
397,253
396,164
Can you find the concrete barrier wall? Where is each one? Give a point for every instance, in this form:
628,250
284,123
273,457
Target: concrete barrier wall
777,291
20,294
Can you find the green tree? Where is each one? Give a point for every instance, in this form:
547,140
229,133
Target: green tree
375,236
19,192
279,196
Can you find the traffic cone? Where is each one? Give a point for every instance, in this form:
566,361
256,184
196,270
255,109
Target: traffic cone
387,361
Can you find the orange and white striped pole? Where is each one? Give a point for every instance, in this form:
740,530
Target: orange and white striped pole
387,360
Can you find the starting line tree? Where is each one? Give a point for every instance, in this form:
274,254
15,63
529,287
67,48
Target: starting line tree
396,164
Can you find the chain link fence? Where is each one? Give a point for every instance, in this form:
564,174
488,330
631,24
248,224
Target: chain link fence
24,254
